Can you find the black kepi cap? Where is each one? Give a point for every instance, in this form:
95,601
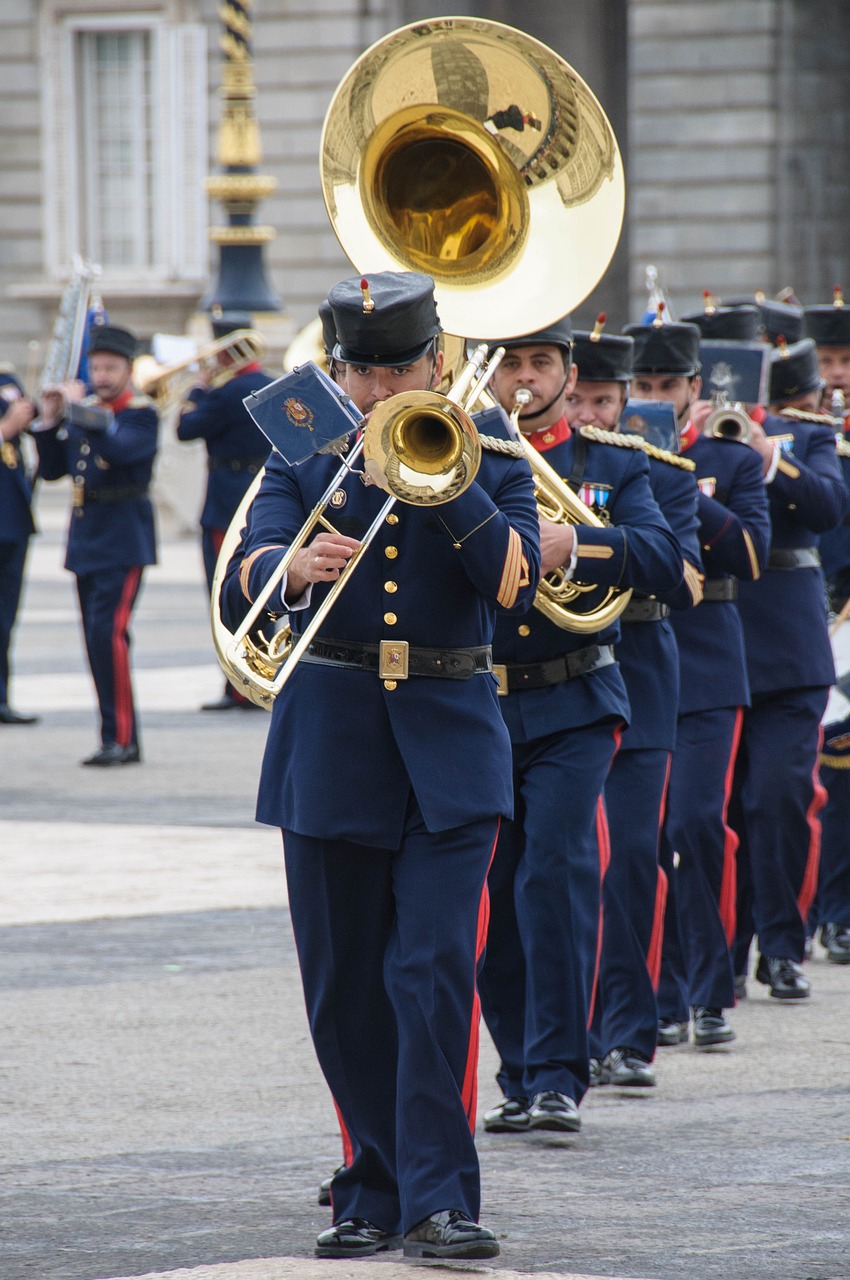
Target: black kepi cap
729,324
109,337
389,318
829,325
602,357
557,334
665,348
794,371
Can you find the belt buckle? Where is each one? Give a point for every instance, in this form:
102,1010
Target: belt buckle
393,659
500,671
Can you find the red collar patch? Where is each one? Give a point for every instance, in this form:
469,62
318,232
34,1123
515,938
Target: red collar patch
688,436
121,403
548,437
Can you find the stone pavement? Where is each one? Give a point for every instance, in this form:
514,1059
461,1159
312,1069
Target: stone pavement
161,1113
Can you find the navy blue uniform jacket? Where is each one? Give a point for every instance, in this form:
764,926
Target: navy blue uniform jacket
107,534
220,419
835,543
784,614
647,651
16,522
734,536
344,752
638,550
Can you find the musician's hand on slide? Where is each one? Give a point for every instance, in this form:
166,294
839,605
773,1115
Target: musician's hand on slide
321,561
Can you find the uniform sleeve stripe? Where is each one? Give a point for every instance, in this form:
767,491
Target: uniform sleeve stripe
248,564
751,552
693,581
511,572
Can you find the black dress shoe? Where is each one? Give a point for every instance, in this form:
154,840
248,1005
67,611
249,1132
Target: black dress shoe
784,977
8,716
509,1116
836,939
711,1027
324,1196
597,1074
450,1234
354,1238
227,703
671,1032
628,1069
551,1110
111,754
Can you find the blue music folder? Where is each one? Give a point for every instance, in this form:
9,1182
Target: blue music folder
737,370
303,413
653,420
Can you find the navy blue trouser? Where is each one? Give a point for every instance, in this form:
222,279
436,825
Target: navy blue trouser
12,558
777,800
696,829
106,604
539,972
832,905
389,943
633,896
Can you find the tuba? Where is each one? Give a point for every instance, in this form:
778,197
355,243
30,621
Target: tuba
467,150
168,384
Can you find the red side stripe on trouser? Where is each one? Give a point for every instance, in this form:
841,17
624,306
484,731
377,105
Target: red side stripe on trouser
603,839
729,879
656,938
810,876
347,1148
121,660
469,1090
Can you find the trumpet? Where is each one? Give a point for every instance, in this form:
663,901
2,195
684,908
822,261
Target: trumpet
168,384
422,448
728,421
557,597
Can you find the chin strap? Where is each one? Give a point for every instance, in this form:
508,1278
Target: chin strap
529,417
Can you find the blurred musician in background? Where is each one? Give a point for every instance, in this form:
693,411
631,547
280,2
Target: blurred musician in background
16,525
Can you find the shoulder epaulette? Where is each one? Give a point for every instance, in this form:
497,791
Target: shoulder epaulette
512,448
140,402
663,455
842,445
800,415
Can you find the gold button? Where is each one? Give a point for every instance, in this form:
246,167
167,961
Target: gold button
391,587
390,619
392,518
81,466
391,552
524,629
390,684
85,448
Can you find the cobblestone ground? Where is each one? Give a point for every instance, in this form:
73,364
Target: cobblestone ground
160,1107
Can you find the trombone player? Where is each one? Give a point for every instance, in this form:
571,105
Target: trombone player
390,790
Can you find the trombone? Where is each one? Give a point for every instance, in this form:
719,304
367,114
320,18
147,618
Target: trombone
168,384
422,448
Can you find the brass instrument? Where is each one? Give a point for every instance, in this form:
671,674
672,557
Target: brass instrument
557,597
728,421
168,384
422,448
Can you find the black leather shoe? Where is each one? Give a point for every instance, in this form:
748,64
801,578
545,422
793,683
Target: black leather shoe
354,1238
324,1196
113,754
597,1074
784,977
450,1234
551,1110
628,1070
836,939
8,716
509,1116
227,703
671,1032
711,1027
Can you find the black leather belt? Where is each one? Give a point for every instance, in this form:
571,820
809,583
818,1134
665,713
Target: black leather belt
396,659
236,464
513,676
118,494
645,611
714,589
793,558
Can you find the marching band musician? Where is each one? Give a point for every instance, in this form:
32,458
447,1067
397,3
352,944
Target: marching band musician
389,790
733,532
16,525
790,665
625,1019
565,706
236,451
106,443
829,326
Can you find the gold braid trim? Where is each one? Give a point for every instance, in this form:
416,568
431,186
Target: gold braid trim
512,448
626,441
842,446
801,415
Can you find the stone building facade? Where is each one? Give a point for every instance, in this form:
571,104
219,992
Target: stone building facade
732,116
